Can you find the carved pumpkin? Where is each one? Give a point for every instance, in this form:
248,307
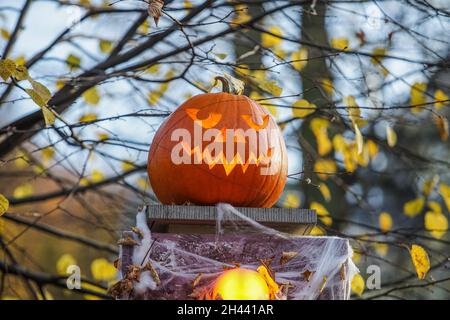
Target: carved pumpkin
218,147
241,284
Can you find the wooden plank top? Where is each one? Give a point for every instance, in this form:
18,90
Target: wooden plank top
208,214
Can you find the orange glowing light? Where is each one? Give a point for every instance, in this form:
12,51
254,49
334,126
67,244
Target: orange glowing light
241,284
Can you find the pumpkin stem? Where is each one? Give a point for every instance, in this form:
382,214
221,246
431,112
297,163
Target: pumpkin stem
225,84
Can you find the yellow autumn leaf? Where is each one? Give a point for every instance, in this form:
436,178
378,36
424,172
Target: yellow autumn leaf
21,73
273,286
381,249
41,90
2,225
324,168
44,295
36,97
350,161
259,75
391,136
102,136
105,46
377,55
440,99
429,185
434,206
103,270
5,34
20,61
292,200
324,144
221,56
91,96
21,160
48,153
144,28
327,85
4,204
7,68
153,97
88,117
319,208
356,257
340,44
64,262
444,191
96,176
413,207
325,191
339,143
442,125
418,97
436,223
271,87
271,39
23,191
302,108
73,61
153,69
362,158
317,231
127,165
322,213
60,83
142,183
241,15
299,59
49,116
358,284
353,110
372,147
420,260
4,297
385,221
318,124
279,53
93,288
359,139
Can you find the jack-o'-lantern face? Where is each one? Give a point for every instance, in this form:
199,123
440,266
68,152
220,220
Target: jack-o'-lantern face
218,147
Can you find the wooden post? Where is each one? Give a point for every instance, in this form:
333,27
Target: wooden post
191,230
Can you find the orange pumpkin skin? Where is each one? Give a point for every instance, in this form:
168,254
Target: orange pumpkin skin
206,184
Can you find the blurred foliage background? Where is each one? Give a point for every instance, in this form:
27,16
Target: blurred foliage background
360,89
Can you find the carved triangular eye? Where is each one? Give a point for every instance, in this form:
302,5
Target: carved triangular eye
248,119
210,121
